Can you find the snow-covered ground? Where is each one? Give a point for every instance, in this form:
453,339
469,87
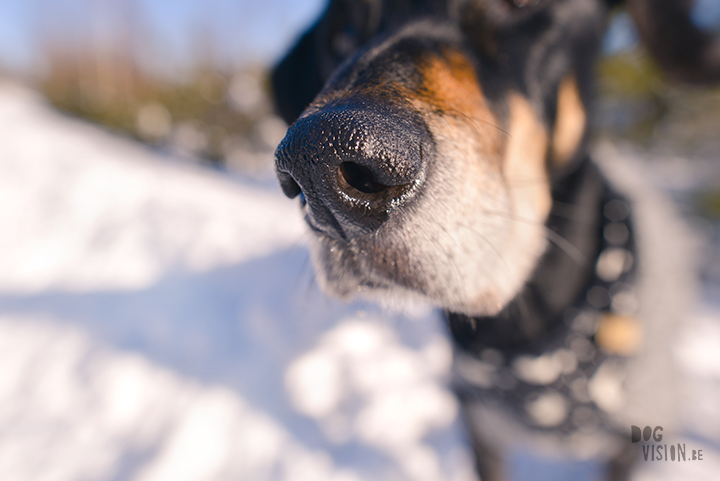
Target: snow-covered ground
159,321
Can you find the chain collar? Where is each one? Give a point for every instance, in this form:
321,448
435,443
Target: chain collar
568,376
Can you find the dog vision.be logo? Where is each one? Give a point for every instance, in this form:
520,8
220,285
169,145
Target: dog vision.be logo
661,452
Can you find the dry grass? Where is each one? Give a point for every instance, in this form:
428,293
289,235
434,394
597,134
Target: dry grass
638,104
210,115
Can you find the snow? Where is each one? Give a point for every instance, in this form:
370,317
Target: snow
95,212
159,321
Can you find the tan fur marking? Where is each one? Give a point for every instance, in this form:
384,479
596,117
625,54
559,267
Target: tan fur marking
524,162
450,84
569,124
451,89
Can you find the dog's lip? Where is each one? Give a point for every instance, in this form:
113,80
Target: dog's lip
337,234
313,227
363,266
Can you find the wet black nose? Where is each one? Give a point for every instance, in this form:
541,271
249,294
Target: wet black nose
354,164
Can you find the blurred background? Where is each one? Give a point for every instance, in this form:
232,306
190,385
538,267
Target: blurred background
187,76
191,76
141,220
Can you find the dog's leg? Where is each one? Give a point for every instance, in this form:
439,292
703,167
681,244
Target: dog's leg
621,465
488,461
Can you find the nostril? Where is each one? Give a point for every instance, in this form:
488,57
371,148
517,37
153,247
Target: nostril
288,185
360,178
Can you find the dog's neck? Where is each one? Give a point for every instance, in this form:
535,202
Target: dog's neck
564,275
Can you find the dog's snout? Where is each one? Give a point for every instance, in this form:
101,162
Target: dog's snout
356,162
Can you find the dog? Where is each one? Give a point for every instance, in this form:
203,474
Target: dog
439,150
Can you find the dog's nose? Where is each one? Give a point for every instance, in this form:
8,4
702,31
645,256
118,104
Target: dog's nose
354,164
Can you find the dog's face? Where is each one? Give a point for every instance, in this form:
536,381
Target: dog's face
425,138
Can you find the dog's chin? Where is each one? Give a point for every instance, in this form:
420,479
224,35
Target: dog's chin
341,274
